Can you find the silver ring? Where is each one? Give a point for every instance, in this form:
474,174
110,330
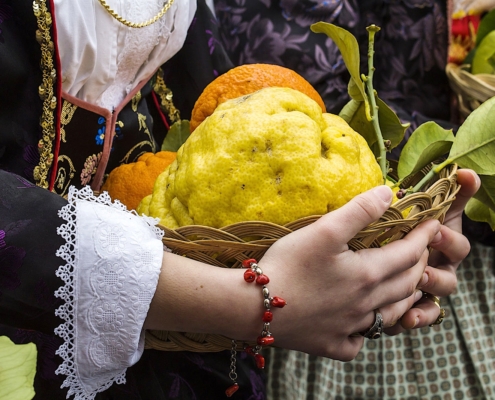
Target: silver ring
375,331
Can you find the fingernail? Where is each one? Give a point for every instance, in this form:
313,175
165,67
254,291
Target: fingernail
416,322
418,295
424,280
384,193
477,179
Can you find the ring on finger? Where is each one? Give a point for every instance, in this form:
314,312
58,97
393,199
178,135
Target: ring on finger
433,298
440,318
375,331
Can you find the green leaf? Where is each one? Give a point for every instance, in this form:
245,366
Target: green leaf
487,24
474,144
349,110
390,125
17,370
426,144
349,48
484,57
477,211
176,136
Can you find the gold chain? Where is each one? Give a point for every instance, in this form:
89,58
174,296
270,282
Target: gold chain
136,24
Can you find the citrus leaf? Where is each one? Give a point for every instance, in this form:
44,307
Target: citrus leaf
349,110
474,144
426,144
176,136
487,24
349,48
486,192
17,369
477,211
390,125
484,57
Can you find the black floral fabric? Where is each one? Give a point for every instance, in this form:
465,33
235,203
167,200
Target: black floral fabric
29,219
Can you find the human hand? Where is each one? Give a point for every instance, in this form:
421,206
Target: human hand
450,247
332,291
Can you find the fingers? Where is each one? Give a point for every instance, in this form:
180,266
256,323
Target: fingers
449,248
402,254
358,213
424,313
470,183
392,313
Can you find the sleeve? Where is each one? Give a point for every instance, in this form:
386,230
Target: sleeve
97,265
28,243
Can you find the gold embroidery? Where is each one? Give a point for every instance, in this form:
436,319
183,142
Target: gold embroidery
46,92
142,125
64,177
135,101
127,157
68,110
90,167
166,97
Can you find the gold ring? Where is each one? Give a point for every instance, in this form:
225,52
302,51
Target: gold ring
433,298
440,318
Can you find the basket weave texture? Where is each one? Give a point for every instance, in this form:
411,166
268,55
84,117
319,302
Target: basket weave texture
470,90
228,246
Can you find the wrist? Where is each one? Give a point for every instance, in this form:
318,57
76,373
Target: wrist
195,297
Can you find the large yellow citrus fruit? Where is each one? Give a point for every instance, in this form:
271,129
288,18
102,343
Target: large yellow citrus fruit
129,183
272,156
246,79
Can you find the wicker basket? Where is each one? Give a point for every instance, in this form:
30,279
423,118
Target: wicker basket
227,247
471,90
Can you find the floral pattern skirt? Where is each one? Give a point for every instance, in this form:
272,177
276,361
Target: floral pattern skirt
454,360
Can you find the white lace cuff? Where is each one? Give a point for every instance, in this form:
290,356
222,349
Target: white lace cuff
113,259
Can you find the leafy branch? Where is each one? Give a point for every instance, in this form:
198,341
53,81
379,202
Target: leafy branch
472,147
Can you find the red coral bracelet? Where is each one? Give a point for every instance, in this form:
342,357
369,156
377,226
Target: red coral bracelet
255,274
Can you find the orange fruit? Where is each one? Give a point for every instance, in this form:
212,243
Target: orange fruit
247,79
130,183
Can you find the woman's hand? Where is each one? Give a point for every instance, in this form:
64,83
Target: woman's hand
450,247
331,291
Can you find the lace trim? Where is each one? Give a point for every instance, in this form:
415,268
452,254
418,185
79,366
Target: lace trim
102,330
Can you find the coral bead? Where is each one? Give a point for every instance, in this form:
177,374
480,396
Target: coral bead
232,389
262,280
265,341
260,361
247,263
249,350
278,302
267,316
249,276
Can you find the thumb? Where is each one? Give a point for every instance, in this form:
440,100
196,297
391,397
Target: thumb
358,213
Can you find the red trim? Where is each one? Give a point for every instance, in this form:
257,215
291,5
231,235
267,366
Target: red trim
104,112
159,109
58,68
107,145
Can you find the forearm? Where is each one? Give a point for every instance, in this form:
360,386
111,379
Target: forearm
194,297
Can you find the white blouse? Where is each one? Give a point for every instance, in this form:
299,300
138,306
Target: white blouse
102,59
112,258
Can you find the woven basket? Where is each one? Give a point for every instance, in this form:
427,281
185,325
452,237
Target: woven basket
471,90
227,247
